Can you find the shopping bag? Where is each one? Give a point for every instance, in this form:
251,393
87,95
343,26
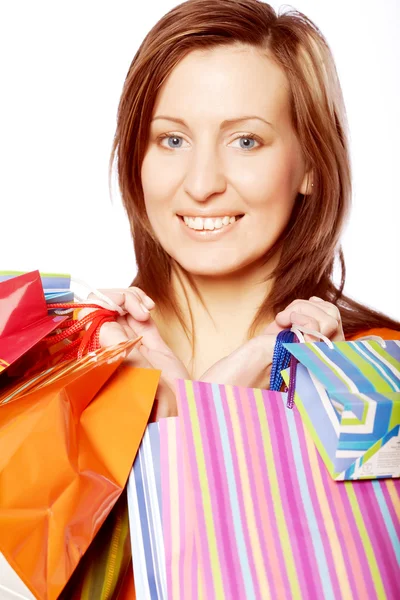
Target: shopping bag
144,505
163,551
269,520
265,517
56,286
68,439
24,319
348,394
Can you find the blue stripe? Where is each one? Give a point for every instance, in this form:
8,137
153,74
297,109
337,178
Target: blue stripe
366,356
314,363
153,571
389,375
144,523
312,523
393,349
310,399
387,519
233,497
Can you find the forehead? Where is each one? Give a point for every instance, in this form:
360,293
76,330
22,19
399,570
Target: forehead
224,82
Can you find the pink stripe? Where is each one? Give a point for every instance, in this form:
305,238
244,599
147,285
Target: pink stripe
380,541
347,530
198,517
291,498
272,538
389,504
166,506
247,414
213,454
320,520
239,484
184,559
238,490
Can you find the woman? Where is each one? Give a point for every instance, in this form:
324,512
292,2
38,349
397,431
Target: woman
234,169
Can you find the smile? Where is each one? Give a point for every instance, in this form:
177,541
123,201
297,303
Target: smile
209,223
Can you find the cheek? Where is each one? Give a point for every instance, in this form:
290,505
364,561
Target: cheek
268,186
159,183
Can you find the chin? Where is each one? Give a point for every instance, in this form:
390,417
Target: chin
209,268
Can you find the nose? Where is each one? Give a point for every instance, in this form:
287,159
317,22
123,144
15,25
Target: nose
204,175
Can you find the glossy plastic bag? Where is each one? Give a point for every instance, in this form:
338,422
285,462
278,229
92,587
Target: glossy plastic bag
68,439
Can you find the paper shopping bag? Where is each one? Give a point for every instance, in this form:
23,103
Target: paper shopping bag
160,517
24,320
269,520
349,398
66,448
56,286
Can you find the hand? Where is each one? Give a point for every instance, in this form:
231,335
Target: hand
151,352
250,364
315,314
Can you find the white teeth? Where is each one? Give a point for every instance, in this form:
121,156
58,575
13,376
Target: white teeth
198,223
208,223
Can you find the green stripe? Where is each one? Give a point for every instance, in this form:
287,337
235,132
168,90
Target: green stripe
310,428
371,373
16,273
355,421
385,356
368,549
332,367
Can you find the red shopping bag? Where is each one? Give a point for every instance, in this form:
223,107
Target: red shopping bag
24,319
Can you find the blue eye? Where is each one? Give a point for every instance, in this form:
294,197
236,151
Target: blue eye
249,142
175,141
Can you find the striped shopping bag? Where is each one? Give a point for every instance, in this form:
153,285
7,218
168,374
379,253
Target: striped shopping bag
237,503
348,394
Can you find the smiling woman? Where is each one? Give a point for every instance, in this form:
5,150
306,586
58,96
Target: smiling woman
234,170
213,166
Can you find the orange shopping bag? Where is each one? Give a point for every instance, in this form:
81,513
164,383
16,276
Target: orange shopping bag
68,439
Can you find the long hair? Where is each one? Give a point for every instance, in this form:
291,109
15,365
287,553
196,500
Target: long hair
310,244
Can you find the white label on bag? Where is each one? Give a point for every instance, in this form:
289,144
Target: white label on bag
384,463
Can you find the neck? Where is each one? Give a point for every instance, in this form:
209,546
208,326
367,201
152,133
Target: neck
224,302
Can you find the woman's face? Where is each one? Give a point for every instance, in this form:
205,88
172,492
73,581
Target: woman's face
223,166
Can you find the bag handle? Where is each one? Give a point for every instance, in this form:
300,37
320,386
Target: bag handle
282,358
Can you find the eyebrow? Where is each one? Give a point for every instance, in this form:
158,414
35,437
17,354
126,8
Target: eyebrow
224,123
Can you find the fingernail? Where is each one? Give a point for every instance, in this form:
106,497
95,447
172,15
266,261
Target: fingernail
144,309
149,302
316,298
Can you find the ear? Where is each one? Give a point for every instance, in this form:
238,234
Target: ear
306,187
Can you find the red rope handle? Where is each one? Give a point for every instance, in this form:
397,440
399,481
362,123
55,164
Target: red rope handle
83,334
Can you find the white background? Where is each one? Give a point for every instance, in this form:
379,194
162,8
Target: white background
62,69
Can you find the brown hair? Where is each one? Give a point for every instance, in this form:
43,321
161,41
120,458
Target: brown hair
310,243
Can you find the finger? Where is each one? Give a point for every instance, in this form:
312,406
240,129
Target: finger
328,307
327,324
308,323
303,306
128,300
147,301
112,333
134,305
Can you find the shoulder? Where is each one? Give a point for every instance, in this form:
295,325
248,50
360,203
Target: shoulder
383,332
